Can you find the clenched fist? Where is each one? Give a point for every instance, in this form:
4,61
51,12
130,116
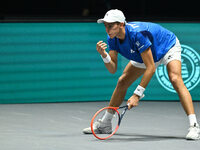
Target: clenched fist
101,48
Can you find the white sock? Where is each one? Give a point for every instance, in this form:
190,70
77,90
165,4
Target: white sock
107,117
192,119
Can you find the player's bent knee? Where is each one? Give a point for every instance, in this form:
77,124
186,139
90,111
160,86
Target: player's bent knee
122,84
176,79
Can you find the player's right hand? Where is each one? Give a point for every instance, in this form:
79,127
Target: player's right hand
101,48
133,101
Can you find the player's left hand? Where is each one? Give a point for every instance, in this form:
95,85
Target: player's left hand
133,101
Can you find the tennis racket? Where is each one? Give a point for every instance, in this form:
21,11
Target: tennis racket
115,123
118,112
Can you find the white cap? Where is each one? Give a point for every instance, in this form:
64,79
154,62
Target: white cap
113,15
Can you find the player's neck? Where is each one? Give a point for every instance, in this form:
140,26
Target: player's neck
121,35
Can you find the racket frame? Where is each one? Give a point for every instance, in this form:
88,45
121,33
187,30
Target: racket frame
119,120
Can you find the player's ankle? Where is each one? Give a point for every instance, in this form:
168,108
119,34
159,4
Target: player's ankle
107,117
192,120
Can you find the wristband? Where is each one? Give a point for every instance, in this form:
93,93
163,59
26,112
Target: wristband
139,90
107,59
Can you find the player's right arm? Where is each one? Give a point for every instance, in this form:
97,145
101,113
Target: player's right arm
112,65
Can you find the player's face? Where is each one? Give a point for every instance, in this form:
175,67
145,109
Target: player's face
112,29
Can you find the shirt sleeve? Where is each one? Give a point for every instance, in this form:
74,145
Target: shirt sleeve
142,42
111,44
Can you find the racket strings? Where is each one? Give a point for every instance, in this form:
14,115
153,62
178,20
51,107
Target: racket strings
105,128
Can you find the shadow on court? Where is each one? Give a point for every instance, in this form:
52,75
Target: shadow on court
142,137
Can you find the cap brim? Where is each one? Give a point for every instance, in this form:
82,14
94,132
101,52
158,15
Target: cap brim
105,20
100,21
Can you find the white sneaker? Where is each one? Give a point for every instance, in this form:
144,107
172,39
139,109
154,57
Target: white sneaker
194,133
99,127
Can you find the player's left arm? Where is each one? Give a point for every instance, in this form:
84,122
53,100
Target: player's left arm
143,44
150,70
148,60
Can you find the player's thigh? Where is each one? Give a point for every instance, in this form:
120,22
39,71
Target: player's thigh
130,74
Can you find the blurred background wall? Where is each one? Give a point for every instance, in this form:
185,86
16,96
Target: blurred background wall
47,49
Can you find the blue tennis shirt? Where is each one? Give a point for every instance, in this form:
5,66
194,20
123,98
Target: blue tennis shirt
141,35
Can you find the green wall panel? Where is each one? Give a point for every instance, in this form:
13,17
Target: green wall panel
58,62
52,62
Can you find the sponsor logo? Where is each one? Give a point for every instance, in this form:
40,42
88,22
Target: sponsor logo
137,43
132,51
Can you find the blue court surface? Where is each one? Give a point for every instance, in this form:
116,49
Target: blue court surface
58,126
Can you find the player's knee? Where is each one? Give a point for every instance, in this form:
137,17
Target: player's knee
122,84
176,79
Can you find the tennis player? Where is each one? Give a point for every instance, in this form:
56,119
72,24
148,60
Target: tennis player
146,45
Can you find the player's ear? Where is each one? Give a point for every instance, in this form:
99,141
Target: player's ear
121,24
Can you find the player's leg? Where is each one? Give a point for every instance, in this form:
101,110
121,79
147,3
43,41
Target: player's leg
130,74
174,72
173,62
